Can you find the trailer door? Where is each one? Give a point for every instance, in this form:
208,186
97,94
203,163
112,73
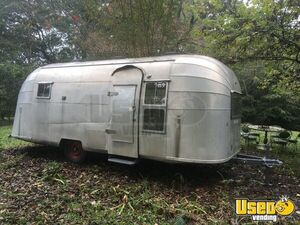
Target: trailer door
125,104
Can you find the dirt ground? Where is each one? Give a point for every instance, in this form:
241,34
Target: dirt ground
37,186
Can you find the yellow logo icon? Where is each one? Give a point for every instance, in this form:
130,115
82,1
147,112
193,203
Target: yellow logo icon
284,207
264,210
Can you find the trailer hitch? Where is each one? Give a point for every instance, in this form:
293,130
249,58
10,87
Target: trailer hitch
252,159
257,160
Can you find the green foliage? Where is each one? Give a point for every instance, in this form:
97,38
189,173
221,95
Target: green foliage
8,143
260,40
31,34
179,221
11,79
258,29
52,173
135,28
288,155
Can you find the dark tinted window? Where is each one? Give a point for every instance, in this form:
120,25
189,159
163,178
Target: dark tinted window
235,105
154,119
44,90
40,90
155,93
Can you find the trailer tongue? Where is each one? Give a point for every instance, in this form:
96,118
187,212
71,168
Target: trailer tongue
258,160
252,159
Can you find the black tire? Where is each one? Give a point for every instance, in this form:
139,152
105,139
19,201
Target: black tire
74,152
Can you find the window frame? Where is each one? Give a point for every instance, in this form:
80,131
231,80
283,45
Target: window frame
155,106
166,92
164,122
50,90
236,116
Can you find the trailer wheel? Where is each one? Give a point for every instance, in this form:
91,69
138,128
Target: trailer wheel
74,152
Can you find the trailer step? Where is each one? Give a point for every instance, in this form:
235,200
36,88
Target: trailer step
125,161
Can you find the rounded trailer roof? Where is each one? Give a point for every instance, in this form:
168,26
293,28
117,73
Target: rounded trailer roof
199,60
212,69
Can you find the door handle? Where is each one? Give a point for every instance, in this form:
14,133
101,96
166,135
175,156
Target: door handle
112,93
131,109
110,131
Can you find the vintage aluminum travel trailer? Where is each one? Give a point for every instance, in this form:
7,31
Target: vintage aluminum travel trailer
180,108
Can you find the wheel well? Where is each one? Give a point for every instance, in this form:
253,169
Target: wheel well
65,141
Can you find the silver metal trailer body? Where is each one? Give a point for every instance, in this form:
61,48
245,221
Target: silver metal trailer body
182,108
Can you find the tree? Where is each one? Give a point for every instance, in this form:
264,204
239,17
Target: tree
34,34
260,41
136,28
11,79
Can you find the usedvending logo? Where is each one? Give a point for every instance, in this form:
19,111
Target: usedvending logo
264,210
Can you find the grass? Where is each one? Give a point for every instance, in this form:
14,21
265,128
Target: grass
39,187
7,142
289,155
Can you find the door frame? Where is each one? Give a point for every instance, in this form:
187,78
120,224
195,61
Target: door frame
139,99
133,121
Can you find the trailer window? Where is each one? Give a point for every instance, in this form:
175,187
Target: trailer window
154,107
155,93
235,105
44,90
154,120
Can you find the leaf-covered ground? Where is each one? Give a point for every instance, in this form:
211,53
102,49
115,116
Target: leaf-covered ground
37,186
